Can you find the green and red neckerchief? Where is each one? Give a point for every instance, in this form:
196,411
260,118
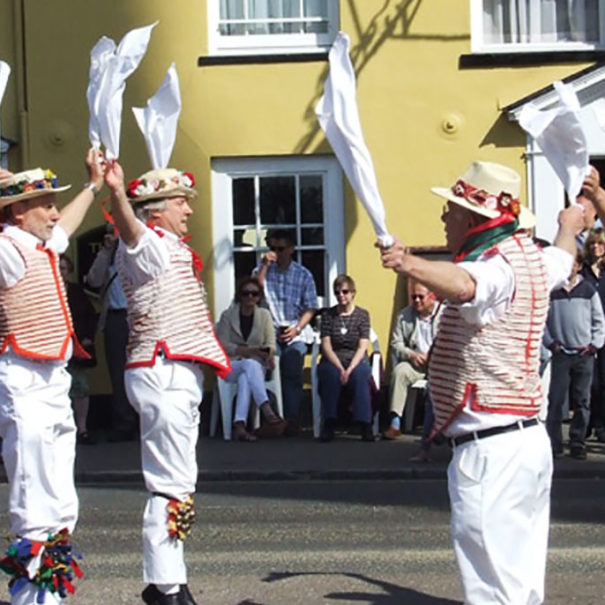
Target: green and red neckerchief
486,236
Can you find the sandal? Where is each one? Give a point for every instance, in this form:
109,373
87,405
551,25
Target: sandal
241,434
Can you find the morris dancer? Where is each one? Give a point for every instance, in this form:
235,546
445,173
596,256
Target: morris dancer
36,421
484,383
171,335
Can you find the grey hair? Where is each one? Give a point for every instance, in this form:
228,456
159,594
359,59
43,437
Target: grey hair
143,211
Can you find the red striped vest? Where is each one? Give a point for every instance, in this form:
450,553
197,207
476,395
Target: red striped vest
170,313
35,319
494,368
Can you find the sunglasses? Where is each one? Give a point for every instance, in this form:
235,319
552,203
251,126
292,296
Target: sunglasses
418,297
344,291
250,293
277,248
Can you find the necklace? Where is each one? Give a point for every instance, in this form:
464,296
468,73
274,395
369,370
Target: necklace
344,328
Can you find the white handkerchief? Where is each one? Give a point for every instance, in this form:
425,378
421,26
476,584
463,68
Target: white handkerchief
159,119
338,117
559,134
109,68
5,71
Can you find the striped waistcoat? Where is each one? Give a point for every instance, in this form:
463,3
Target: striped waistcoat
170,313
494,368
35,320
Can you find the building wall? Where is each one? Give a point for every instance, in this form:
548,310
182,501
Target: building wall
424,118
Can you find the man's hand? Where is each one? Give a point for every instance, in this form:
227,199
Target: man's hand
591,185
5,174
344,376
96,166
393,257
571,219
288,334
268,258
114,176
418,360
555,347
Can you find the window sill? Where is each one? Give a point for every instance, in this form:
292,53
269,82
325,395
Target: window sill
529,59
269,58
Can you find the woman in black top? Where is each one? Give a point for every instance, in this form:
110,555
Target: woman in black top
345,333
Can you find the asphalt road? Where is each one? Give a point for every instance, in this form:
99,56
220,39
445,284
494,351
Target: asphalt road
378,542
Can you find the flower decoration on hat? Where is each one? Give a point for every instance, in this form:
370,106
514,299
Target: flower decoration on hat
504,202
145,187
32,180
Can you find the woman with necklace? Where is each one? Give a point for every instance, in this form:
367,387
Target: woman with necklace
246,332
345,333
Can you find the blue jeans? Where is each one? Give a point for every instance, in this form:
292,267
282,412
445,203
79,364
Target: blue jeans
291,360
358,385
569,374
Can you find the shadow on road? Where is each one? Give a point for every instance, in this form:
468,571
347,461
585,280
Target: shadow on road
392,592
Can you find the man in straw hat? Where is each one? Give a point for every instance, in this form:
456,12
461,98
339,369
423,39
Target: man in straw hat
484,383
36,421
171,336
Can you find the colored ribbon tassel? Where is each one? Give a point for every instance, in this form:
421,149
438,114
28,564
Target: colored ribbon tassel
55,572
181,517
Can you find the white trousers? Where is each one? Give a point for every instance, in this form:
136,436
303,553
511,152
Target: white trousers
167,397
38,446
500,501
250,377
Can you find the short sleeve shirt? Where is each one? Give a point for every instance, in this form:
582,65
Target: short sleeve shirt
345,331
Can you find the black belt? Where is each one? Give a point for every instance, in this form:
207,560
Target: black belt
493,431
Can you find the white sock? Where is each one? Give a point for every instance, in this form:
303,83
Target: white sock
168,588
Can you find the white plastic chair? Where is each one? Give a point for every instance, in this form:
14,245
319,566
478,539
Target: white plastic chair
315,398
223,395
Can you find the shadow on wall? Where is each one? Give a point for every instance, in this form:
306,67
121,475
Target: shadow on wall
391,22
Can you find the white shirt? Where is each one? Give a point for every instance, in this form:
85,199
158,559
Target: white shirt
495,287
425,332
149,258
12,266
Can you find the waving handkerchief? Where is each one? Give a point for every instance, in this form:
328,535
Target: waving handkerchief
5,71
559,133
339,118
109,68
159,119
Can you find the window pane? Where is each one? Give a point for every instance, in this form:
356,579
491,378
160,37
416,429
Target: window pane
232,9
311,196
313,27
243,263
314,261
532,21
316,8
313,236
277,200
243,201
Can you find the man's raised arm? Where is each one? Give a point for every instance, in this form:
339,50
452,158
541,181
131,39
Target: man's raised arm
126,221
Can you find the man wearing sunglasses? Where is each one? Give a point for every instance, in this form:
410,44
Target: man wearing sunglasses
291,297
410,343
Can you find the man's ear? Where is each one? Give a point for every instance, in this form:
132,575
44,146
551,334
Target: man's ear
16,210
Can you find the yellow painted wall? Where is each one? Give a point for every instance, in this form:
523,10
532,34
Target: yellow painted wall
409,84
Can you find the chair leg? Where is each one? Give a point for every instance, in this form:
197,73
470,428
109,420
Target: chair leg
410,410
214,412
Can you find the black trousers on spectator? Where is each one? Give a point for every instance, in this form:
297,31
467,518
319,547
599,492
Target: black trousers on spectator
569,374
597,401
123,417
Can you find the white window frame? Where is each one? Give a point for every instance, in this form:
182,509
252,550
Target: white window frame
269,43
225,169
479,46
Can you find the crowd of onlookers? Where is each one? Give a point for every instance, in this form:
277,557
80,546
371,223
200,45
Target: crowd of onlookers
274,319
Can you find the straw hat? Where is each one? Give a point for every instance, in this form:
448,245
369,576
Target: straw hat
489,189
27,185
160,184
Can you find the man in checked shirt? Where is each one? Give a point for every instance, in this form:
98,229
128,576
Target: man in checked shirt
291,296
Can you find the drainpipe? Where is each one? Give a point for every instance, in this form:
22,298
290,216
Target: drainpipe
20,80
